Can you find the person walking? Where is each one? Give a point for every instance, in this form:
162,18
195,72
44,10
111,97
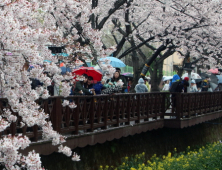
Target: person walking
193,87
141,87
166,86
205,84
185,83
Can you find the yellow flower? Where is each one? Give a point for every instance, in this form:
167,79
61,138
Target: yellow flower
132,169
188,147
123,163
175,149
169,154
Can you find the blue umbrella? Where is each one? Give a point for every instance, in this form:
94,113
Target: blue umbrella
47,61
65,69
61,54
219,77
115,62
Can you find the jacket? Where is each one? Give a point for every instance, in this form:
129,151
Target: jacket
141,87
193,89
79,86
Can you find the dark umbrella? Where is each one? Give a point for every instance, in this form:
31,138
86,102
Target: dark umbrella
128,74
213,77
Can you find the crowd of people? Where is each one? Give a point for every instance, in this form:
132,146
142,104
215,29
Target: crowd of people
88,86
117,84
176,84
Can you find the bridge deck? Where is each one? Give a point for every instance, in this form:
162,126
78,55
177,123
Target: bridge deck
106,117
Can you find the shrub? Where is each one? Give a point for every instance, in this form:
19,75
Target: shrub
208,157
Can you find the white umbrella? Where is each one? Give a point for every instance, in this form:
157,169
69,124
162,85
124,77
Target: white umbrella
165,78
193,76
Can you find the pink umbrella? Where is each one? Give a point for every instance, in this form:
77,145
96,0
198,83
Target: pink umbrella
214,71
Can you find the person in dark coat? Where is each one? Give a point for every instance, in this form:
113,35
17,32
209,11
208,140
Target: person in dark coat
185,83
99,86
80,89
205,84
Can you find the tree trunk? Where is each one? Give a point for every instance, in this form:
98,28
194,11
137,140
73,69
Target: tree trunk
136,70
154,79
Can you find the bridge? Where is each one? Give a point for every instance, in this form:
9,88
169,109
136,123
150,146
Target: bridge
98,119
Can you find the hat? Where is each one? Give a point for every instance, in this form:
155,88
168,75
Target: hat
186,78
193,81
141,80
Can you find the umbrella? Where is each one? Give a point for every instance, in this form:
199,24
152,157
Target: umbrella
214,71
90,71
198,80
213,77
115,62
128,74
193,76
219,77
65,69
61,54
165,78
213,86
47,61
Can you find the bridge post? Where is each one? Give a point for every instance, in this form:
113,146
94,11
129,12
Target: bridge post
35,133
105,117
57,114
178,105
76,117
138,108
189,103
128,110
92,114
163,108
117,110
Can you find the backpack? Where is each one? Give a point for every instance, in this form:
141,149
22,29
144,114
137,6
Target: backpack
176,87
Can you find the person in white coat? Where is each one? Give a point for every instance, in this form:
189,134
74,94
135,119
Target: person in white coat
193,87
141,87
166,86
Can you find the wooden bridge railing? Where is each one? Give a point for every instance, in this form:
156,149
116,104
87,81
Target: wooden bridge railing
94,112
186,105
103,111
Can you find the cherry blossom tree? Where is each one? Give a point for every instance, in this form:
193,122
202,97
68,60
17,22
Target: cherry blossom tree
26,27
167,27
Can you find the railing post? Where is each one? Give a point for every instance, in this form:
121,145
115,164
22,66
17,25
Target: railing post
117,110
105,113
163,108
92,110
138,108
35,133
128,110
207,103
57,114
189,103
76,117
178,105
